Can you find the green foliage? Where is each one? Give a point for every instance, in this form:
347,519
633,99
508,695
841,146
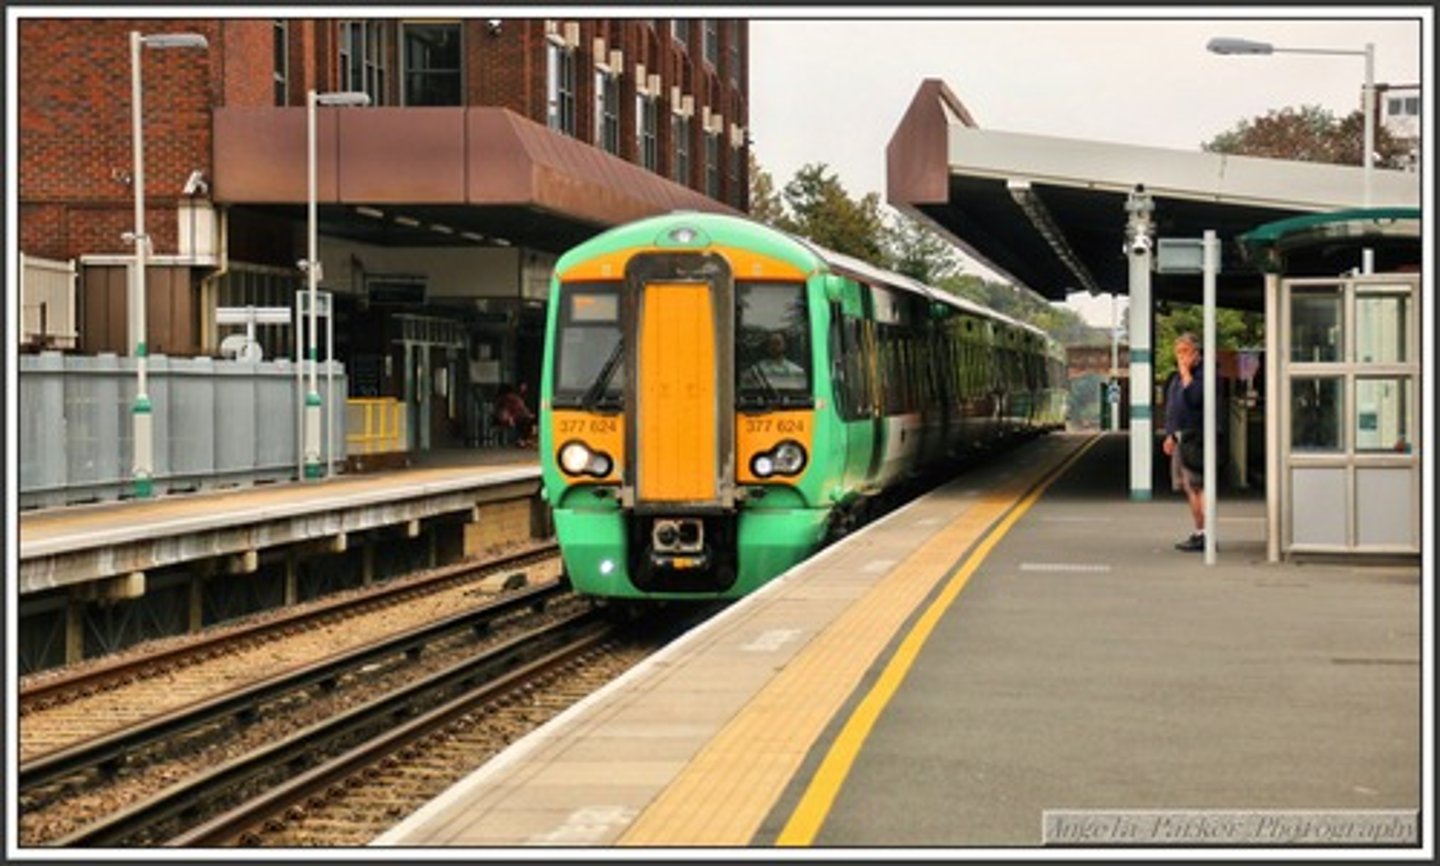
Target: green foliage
1234,329
821,209
917,252
765,204
1307,134
815,205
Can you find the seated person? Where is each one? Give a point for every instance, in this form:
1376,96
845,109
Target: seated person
514,416
775,368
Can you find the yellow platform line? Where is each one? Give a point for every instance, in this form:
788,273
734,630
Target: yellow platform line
815,804
725,792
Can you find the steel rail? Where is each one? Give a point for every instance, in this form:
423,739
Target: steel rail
111,751
395,590
190,797
233,826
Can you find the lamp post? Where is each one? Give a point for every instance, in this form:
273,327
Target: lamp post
311,264
143,474
1231,45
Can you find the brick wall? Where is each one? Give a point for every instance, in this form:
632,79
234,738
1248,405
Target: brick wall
75,157
500,523
75,131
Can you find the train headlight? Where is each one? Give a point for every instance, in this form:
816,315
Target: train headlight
577,458
787,458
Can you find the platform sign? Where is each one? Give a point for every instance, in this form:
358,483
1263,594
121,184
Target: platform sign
1181,256
322,303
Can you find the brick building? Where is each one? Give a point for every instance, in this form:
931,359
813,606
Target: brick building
489,147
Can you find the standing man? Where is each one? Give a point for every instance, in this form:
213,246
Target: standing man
1184,417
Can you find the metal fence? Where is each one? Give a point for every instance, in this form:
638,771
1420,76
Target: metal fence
217,423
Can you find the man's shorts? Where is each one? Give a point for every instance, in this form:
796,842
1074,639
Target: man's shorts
1184,480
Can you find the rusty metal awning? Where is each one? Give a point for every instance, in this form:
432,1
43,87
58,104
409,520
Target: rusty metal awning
478,172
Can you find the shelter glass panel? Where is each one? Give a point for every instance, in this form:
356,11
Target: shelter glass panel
1316,326
1383,414
1317,405
1381,327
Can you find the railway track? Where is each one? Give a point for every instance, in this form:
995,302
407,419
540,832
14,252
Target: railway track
266,759
59,709
356,796
225,796
140,731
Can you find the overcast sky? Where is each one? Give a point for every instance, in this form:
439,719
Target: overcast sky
833,89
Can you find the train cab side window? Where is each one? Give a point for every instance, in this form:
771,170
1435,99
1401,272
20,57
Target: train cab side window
772,345
838,367
589,352
857,368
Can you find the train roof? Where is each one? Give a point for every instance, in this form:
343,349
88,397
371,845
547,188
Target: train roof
797,248
841,263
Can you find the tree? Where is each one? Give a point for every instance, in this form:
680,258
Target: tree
916,251
823,211
1307,134
765,203
815,205
1234,329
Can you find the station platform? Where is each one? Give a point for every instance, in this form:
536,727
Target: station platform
83,543
1021,640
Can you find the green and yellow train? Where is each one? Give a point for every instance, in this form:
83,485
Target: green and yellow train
719,398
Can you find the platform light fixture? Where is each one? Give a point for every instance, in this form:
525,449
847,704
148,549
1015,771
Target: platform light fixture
1234,45
312,272
143,473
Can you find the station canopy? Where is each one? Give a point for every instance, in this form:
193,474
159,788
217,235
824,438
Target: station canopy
1049,213
436,177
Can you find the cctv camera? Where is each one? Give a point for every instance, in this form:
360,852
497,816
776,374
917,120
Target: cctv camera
195,183
1139,245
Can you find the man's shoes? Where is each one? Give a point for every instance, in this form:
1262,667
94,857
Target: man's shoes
1196,541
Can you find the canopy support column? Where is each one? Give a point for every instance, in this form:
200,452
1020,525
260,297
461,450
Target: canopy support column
1140,250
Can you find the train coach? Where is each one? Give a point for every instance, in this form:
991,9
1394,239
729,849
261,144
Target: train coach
719,398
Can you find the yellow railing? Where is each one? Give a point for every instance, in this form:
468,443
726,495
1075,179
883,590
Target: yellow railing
374,425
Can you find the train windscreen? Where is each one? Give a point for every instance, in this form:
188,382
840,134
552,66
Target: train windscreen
589,351
772,345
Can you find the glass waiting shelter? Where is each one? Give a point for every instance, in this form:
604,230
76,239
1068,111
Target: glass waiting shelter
1345,380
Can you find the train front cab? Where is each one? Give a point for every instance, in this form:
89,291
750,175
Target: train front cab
681,418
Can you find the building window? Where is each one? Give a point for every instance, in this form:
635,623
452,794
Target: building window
282,62
362,58
712,165
560,81
1404,106
646,120
680,127
607,110
711,41
680,30
732,52
431,62
732,159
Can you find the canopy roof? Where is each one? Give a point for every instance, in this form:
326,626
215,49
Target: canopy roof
1305,244
1049,212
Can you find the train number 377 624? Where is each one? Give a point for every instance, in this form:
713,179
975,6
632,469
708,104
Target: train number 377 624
587,425
775,425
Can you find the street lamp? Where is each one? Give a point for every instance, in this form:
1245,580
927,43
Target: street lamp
312,273
1231,45
142,429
